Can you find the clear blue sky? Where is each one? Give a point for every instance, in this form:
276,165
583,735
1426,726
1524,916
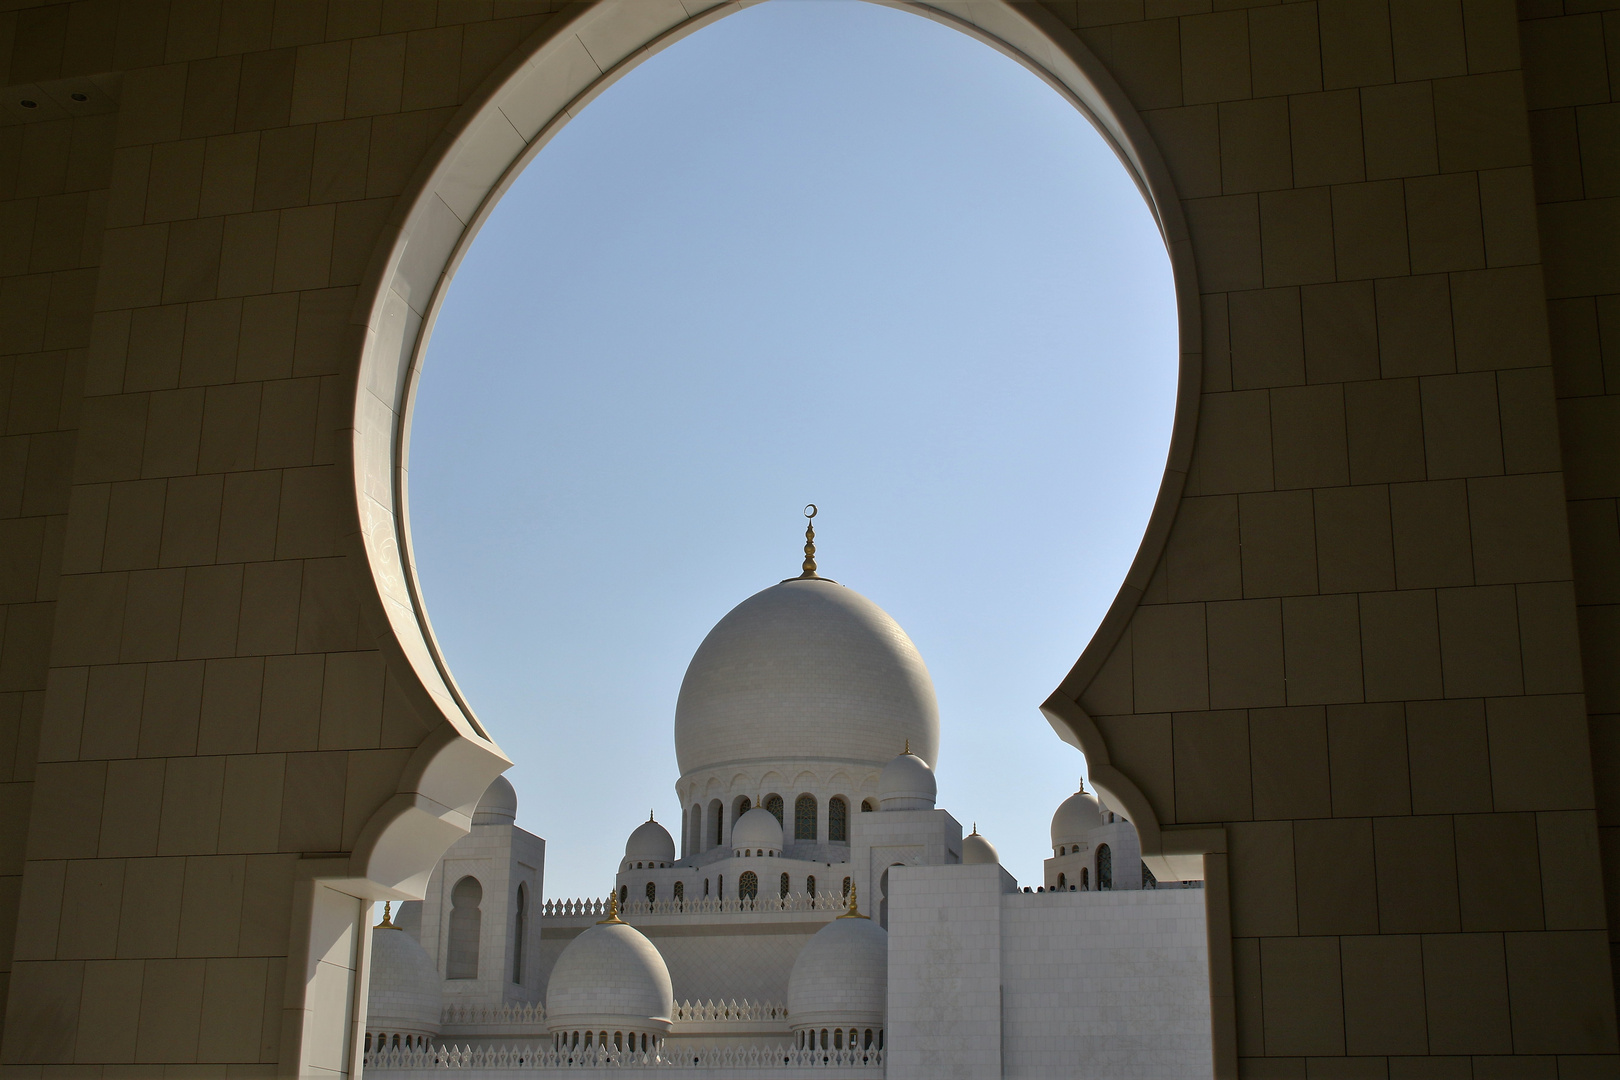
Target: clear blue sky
818,252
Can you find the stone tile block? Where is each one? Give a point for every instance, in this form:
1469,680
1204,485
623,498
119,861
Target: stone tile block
1479,642
1384,1009
1202,556
1214,57
1444,224
1500,318
1539,753
1409,902
1429,524
1297,232
1400,645
1322,647
1465,986
1354,547
1278,543
1336,879
1397,123
1254,145
1556,984
1498,872
1309,441
1268,348
1245,654
1449,757
1367,751
1355,42
149,919
1212,766
1262,864
1169,658
1369,231
1303,995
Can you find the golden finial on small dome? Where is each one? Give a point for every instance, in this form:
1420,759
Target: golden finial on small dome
907,750
388,922
854,912
613,911
810,542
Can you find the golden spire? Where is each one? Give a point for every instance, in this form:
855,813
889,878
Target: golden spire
388,922
975,831
613,911
810,542
907,750
853,912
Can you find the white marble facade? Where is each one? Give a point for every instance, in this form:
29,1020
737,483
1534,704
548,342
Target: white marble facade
815,910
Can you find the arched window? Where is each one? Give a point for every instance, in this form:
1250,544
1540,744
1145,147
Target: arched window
705,887
1148,880
624,895
717,825
784,886
522,917
1085,879
748,886
838,820
773,803
744,805
804,818
652,892
466,926
846,888
680,891
866,806
719,886
1063,882
1105,867
810,889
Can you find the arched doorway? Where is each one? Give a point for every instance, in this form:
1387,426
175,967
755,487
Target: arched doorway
570,59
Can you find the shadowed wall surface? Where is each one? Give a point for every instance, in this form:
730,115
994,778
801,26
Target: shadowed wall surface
1367,680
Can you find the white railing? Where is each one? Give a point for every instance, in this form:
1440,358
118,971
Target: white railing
518,1014
512,1014
830,902
709,1011
707,1057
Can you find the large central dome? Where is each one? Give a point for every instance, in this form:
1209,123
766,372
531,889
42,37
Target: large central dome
805,670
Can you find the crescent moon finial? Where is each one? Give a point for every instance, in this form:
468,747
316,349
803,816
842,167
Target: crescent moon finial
810,512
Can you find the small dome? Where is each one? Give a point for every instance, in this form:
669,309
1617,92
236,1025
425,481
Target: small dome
650,842
406,993
757,830
841,976
499,804
907,783
977,851
1076,817
610,976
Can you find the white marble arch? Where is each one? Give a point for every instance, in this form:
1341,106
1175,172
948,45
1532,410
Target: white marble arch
559,70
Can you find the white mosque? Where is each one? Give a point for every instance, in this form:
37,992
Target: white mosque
821,914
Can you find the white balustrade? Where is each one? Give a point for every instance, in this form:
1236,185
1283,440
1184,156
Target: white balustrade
675,1057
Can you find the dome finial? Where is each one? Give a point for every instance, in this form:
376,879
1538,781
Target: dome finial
907,750
854,912
650,815
388,922
613,910
810,542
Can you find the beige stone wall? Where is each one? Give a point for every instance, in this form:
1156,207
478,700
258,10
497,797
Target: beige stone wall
1354,679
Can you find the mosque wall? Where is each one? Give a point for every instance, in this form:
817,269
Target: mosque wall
989,982
1373,630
